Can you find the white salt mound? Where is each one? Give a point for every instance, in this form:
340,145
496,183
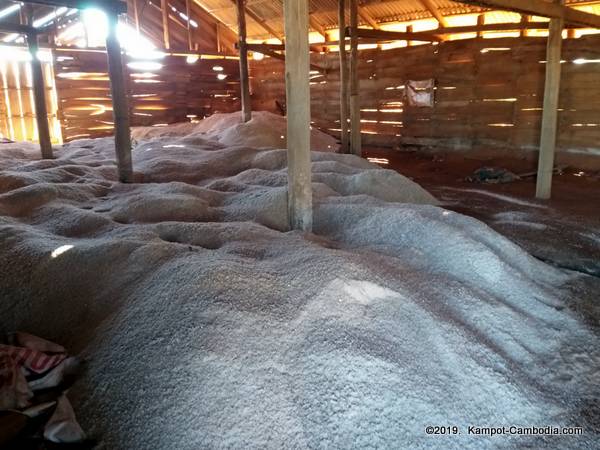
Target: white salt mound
207,325
264,130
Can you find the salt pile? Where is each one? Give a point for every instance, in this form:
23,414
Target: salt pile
264,130
207,325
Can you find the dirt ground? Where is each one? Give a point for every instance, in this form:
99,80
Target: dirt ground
564,231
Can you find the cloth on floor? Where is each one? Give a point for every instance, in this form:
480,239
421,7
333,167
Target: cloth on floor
492,175
30,365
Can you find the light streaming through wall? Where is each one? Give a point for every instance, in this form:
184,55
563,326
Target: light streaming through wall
95,29
11,9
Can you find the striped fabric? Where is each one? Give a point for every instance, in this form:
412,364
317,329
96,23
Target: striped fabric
32,360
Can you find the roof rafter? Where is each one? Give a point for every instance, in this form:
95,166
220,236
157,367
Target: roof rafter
261,22
211,14
541,8
364,15
435,12
314,23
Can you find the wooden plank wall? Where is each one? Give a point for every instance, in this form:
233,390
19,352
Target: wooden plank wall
179,91
208,36
488,97
17,110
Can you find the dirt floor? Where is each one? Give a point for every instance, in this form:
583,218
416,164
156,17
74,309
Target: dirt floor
564,231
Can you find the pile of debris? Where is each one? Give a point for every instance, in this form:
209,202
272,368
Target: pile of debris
34,377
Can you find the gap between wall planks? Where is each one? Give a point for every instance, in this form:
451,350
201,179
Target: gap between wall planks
178,92
17,104
482,101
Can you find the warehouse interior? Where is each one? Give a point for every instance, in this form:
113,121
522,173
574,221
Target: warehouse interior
299,223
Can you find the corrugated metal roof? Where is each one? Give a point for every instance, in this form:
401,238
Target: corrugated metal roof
324,12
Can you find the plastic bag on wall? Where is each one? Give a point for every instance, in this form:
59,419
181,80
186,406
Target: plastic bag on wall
420,93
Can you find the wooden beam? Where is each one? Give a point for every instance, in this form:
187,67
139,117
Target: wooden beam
550,112
381,35
541,8
344,97
435,12
263,24
119,102
114,6
355,137
364,15
271,50
315,25
39,98
297,87
164,8
426,36
18,29
280,47
244,76
491,27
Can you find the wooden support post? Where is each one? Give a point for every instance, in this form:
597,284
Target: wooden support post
343,76
136,15
218,32
164,6
297,87
355,137
39,98
524,21
244,76
119,102
480,23
188,14
550,113
54,34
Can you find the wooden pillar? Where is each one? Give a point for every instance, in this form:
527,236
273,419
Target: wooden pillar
355,137
244,77
524,21
164,6
343,76
218,33
119,101
136,15
54,33
39,98
480,23
297,86
188,14
550,113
